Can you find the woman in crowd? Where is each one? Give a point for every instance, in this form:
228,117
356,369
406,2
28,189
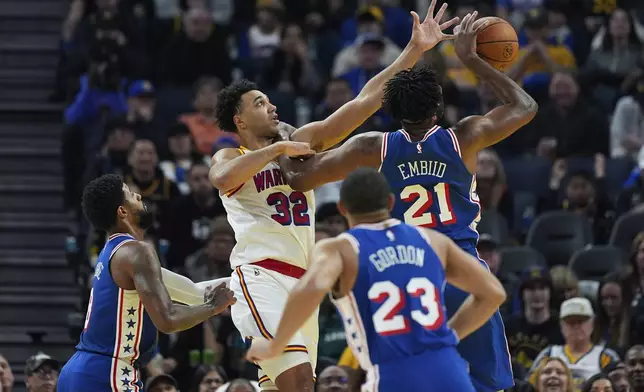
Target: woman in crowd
553,375
599,383
491,185
612,325
208,378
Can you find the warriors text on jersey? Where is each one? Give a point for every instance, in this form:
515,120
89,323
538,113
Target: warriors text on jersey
270,220
118,338
394,316
433,188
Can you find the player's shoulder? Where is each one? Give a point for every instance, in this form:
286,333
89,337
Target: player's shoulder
132,250
225,154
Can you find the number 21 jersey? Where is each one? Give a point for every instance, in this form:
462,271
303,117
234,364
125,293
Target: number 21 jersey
270,220
395,309
432,186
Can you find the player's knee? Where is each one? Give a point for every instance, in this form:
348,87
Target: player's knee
296,379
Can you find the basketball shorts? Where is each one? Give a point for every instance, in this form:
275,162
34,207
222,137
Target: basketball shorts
98,373
261,297
486,349
441,370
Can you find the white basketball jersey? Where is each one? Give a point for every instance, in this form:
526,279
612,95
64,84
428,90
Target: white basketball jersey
584,367
270,220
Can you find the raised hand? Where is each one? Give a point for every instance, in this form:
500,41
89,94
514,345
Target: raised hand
296,149
428,34
219,298
465,42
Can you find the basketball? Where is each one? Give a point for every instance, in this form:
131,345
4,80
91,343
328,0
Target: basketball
498,43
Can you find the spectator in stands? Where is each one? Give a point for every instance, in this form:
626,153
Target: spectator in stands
202,123
265,35
371,48
337,93
328,215
584,358
613,67
565,285
333,379
627,124
191,217
141,105
289,69
6,375
612,324
553,375
145,178
599,383
635,366
161,383
536,327
618,374
182,156
568,125
540,58
112,158
635,269
491,185
208,378
584,194
397,22
212,261
200,49
240,385
369,20
42,373
632,196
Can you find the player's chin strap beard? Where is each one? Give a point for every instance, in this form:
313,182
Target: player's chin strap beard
146,217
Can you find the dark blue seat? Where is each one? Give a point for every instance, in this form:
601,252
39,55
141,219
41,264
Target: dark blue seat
528,175
559,234
595,262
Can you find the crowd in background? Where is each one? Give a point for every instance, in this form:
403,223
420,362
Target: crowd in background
140,80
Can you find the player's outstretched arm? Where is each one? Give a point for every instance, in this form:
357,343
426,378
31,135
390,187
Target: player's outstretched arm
475,133
325,134
468,274
230,168
304,298
144,267
185,291
333,165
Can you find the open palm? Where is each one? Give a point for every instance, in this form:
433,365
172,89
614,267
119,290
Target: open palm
428,34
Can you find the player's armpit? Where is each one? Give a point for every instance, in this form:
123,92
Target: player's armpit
333,165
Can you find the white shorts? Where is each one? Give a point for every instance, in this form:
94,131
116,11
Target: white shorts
261,297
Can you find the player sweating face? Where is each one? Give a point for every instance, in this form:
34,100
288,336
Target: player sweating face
577,329
553,377
257,115
134,210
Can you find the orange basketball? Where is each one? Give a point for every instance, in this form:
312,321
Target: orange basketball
498,43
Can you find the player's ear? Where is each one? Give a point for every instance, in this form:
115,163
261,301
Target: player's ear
121,212
238,121
342,210
392,200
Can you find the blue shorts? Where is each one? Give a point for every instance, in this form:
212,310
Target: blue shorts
485,350
441,370
95,373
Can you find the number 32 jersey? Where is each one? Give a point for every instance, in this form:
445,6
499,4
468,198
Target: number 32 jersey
395,309
433,188
270,220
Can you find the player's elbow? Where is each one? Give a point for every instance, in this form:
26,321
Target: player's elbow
497,294
164,324
220,181
528,106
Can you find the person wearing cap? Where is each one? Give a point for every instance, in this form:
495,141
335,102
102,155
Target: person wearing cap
583,357
396,22
141,107
538,60
369,20
42,373
535,327
369,55
162,383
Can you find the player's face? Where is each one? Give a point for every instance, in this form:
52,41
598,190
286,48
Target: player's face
138,213
610,298
257,114
619,377
577,329
601,385
553,377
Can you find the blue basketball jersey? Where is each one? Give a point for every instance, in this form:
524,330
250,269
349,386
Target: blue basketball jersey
395,309
432,186
116,324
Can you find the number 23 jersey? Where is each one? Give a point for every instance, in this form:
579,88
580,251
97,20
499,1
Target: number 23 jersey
270,220
432,186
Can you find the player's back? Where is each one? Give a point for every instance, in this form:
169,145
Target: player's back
271,221
432,186
394,316
118,337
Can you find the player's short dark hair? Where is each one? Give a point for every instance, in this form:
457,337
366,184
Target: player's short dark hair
365,190
413,95
101,198
229,103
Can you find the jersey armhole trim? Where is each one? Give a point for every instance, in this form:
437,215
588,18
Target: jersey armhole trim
452,135
352,240
383,149
231,192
